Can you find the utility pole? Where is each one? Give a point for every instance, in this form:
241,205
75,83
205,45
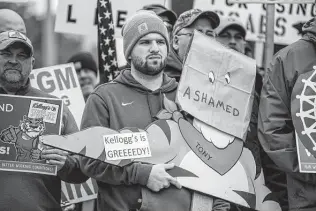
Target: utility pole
49,44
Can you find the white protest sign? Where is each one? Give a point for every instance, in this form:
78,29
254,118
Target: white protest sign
62,82
80,16
253,16
126,146
47,111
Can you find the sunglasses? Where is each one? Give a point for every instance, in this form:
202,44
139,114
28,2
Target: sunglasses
168,26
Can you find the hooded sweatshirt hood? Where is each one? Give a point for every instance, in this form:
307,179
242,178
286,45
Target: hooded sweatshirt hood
174,65
126,78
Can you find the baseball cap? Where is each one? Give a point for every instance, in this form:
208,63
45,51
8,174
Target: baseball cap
231,23
160,10
188,17
7,38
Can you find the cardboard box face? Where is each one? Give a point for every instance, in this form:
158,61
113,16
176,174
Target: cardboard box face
217,86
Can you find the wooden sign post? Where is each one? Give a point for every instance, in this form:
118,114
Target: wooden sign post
269,38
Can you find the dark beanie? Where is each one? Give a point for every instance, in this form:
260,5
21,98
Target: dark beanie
86,61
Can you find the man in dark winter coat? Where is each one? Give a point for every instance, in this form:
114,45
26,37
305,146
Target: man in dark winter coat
275,126
21,190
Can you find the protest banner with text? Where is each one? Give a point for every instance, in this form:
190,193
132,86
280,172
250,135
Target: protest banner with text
304,119
26,120
69,17
62,82
288,18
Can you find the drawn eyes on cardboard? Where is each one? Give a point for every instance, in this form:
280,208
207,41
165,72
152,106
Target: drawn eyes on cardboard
227,78
211,77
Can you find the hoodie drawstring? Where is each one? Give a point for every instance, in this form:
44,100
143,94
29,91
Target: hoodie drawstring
160,102
161,99
149,107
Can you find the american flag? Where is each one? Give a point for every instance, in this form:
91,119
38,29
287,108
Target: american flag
108,67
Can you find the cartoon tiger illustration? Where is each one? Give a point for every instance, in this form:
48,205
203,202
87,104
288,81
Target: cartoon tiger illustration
25,138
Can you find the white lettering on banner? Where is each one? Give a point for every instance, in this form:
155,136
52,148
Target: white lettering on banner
61,81
126,146
69,17
49,81
253,16
6,107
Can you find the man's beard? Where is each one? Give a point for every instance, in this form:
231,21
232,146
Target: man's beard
12,76
147,69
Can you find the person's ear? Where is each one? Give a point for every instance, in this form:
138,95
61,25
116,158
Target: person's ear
175,42
33,61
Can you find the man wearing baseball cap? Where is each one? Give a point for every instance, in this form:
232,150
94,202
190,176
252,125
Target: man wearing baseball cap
231,32
22,190
168,16
194,19
133,99
10,41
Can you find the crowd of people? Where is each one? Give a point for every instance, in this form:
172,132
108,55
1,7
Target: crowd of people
155,45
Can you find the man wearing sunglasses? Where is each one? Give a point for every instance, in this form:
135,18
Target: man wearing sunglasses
203,21
168,16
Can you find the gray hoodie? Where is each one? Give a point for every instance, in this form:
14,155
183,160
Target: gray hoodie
126,103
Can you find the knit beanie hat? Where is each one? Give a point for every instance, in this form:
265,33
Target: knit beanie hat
84,60
140,24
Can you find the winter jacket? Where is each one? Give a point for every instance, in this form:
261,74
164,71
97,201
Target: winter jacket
275,127
126,103
38,192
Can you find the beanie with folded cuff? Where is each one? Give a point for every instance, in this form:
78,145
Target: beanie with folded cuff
85,60
139,25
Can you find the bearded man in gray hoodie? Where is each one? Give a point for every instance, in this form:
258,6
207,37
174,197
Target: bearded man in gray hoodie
133,99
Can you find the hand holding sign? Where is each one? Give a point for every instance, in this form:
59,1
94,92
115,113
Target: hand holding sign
159,178
55,157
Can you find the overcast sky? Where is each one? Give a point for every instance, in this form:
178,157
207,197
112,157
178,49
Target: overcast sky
40,6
